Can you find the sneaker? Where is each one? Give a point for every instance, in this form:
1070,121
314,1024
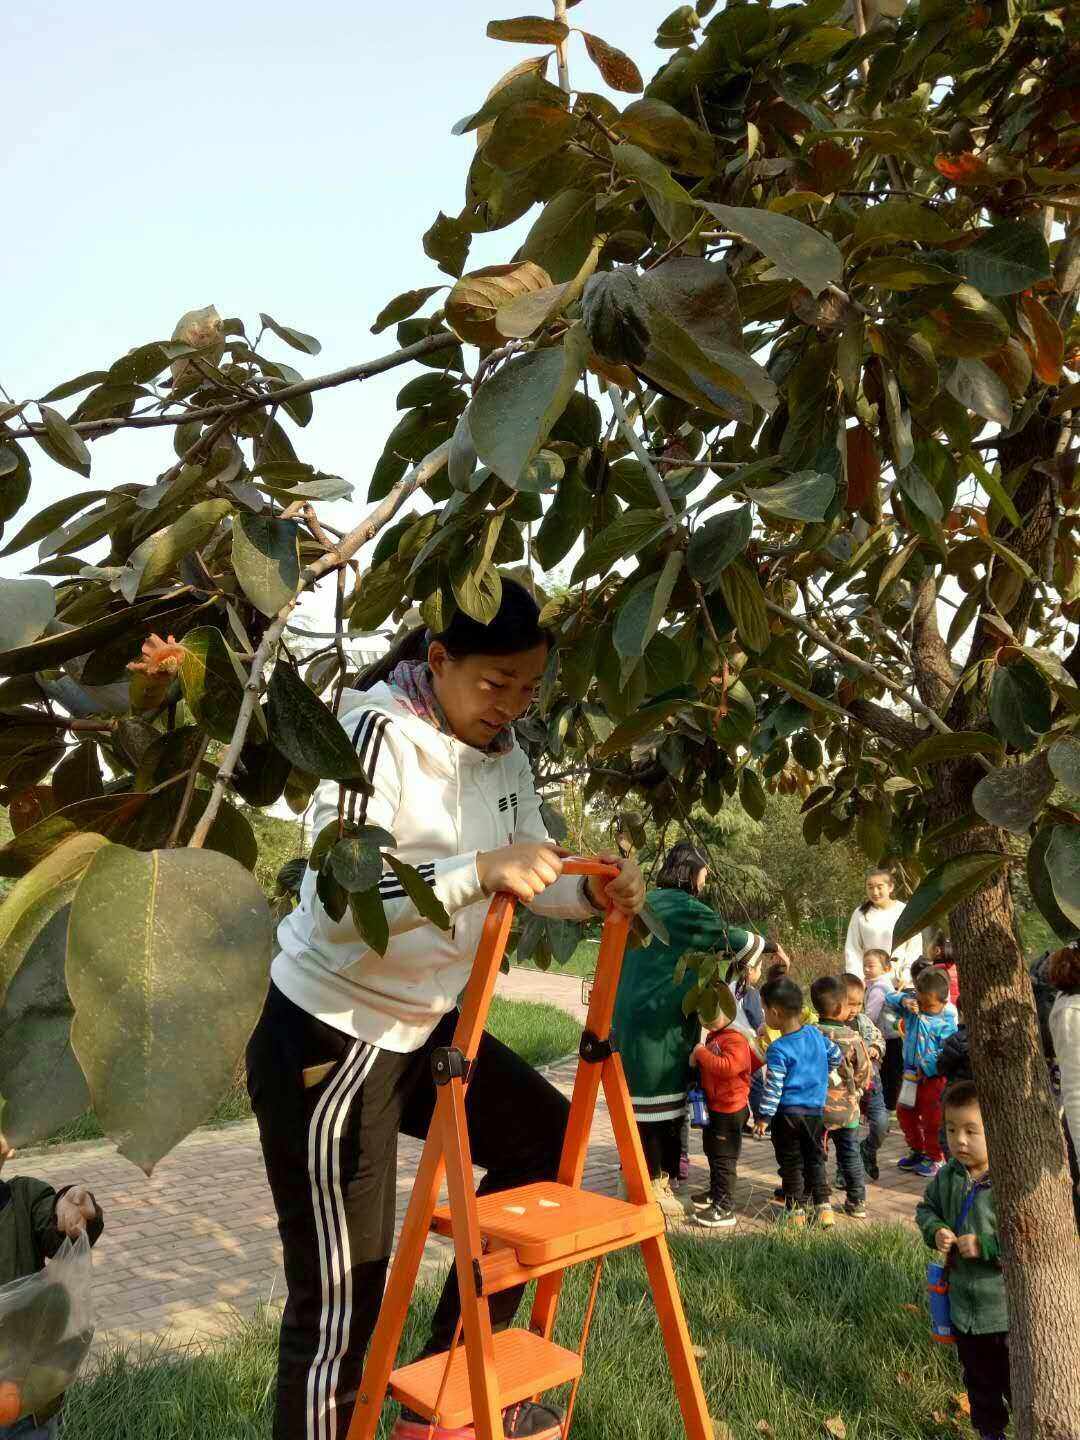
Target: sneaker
869,1160
702,1200
910,1162
856,1209
795,1215
825,1216
716,1217
666,1198
927,1168
523,1421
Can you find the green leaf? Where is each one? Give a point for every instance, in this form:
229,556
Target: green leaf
477,588
751,794
46,521
817,45
1064,759
994,488
41,1085
26,608
528,30
654,925
644,722
901,272
266,558
920,492
1014,795
667,199
1019,704
146,361
817,703
513,412
968,325
904,220
797,251
806,495
402,306
296,338
210,683
562,235
527,133
66,447
447,243
159,554
627,534
979,389
51,651
717,371
639,618
369,917
1042,889
936,748
1063,864
745,599
419,892
1009,257
74,387
380,592
355,864
943,888
308,733
714,545
35,898
168,957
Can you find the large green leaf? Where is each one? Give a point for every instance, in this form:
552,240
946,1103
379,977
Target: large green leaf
1064,760
639,617
1019,704
805,495
644,722
266,558
562,235
51,651
714,545
168,964
355,863
103,814
1014,795
943,888
979,389
1009,257
513,413
798,252
402,306
369,917
936,748
1042,889
32,902
745,599
527,133
296,338
41,1084
419,892
26,608
1063,863
158,555
308,733
210,682
62,443
670,203
628,534
751,794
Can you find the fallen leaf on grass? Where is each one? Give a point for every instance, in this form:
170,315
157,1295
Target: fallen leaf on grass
911,1309
905,1377
721,1431
764,1428
938,1418
962,1403
835,1427
699,1352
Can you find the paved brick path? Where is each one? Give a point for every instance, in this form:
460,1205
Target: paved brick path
188,1249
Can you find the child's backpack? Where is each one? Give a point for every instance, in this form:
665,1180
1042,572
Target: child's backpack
855,1075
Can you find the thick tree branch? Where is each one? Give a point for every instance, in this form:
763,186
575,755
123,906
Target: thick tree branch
935,678
334,559
94,429
886,723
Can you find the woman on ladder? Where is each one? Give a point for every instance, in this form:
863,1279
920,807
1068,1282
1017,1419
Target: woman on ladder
339,1063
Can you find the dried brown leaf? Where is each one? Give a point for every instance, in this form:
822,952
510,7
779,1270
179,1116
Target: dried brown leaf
835,1427
618,69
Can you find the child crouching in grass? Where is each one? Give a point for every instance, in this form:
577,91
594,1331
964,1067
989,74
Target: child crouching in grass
958,1220
797,1072
724,1062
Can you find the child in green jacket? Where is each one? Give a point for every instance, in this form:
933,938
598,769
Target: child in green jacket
655,1037
958,1220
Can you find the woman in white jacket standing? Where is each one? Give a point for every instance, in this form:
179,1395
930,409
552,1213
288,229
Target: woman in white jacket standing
1065,1030
340,1062
871,928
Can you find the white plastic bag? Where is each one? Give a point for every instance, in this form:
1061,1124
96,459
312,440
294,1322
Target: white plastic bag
46,1327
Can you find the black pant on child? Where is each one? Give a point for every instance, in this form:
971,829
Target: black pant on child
892,1071
722,1140
662,1142
984,1359
799,1142
331,1158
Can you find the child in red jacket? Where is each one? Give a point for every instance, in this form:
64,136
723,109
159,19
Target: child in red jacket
725,1063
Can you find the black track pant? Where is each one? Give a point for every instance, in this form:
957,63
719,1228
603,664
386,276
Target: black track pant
984,1360
331,1158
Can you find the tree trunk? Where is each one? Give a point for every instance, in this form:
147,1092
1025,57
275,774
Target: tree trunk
1027,1152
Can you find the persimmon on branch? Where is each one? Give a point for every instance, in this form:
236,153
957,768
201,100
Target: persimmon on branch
227,411
333,559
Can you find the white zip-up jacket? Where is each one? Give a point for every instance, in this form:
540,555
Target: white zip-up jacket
444,802
1065,1029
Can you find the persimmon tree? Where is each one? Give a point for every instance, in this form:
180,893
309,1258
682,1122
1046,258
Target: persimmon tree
782,373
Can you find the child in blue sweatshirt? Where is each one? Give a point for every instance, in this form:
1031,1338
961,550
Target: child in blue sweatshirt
797,1069
927,1025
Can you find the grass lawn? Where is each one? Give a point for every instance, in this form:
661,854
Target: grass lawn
541,1033
796,1329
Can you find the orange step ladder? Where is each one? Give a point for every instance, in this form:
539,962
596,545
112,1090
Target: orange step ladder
532,1233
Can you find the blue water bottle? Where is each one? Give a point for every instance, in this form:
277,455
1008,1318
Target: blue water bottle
699,1110
937,1290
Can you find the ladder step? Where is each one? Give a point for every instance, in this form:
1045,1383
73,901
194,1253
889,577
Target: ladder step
525,1365
546,1222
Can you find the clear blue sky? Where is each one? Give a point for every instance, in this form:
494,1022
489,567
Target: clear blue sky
254,156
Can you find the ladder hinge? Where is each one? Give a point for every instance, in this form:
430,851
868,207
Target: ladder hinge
448,1063
594,1050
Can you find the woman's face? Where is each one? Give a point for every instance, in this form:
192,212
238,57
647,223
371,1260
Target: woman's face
879,890
702,876
483,693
